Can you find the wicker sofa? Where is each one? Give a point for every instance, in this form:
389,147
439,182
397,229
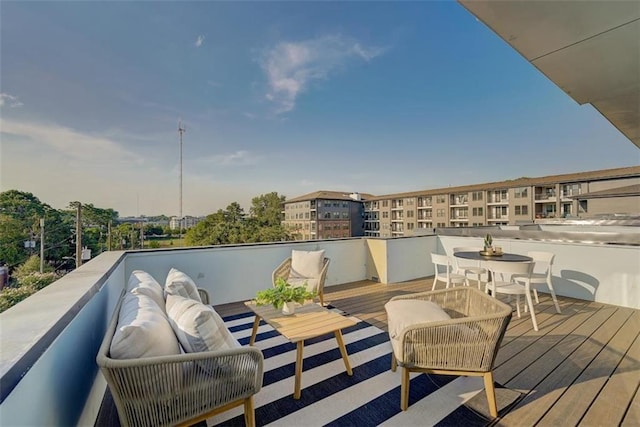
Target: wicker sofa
182,388
454,331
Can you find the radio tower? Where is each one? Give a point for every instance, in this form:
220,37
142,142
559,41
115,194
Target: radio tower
181,130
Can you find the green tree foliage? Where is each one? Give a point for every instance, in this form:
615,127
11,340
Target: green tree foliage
20,214
232,226
30,266
267,209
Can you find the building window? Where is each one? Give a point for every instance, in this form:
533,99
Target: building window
409,214
439,213
478,211
476,196
410,226
520,192
385,214
441,199
385,203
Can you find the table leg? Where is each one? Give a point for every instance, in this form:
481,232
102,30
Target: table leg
256,323
296,391
343,351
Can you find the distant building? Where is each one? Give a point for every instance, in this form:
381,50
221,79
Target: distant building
325,215
595,194
187,222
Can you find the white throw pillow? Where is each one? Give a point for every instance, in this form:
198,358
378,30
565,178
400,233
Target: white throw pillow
142,283
198,326
311,283
403,313
179,283
306,263
143,330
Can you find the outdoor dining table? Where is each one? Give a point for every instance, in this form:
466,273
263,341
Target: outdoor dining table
506,257
503,257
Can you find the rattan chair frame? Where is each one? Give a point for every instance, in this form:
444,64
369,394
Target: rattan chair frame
467,344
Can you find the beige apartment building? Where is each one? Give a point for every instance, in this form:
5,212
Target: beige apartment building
325,215
520,201
585,195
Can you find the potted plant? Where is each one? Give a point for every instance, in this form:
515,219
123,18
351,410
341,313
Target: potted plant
488,241
282,296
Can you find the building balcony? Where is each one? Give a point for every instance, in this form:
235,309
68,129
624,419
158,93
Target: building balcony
50,340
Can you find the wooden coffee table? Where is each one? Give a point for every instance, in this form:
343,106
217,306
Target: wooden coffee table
309,321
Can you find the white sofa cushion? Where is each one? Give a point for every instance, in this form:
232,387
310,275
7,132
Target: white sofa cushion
142,283
143,330
306,264
198,326
179,283
403,313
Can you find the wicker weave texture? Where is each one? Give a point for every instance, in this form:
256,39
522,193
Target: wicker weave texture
168,390
467,342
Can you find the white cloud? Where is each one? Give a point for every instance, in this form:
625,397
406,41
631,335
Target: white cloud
291,66
10,100
199,40
238,158
67,141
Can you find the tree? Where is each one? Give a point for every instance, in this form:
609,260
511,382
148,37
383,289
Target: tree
267,209
21,213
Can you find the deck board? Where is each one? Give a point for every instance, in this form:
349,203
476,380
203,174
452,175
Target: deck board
581,368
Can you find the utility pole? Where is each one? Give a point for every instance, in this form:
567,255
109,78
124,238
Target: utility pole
181,130
41,245
109,236
78,234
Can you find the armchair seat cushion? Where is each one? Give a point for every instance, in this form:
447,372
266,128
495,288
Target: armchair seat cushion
402,314
311,282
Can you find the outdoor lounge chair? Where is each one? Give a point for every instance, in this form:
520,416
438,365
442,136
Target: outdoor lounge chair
302,267
454,331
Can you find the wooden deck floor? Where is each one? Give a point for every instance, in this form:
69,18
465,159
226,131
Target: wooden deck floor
581,368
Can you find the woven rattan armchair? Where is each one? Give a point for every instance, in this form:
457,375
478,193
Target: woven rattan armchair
284,270
465,344
183,389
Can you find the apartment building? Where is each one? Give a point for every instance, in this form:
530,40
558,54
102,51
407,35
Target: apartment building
520,201
325,215
186,222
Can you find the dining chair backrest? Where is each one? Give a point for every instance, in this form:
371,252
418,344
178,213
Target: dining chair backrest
543,260
441,260
507,269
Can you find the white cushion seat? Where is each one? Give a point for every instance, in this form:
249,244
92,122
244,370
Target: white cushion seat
405,313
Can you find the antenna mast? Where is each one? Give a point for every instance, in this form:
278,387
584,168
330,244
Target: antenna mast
181,130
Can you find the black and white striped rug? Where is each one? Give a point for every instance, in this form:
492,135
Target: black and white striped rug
370,397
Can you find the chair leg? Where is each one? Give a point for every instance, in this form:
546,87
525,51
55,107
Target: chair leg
394,362
321,296
404,390
535,293
553,295
249,413
533,313
517,304
491,394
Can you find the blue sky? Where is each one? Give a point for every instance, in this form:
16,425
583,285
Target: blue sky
293,97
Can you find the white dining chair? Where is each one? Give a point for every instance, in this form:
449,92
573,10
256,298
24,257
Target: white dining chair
541,275
446,274
502,282
469,267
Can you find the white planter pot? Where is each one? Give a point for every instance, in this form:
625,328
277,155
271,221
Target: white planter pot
289,308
